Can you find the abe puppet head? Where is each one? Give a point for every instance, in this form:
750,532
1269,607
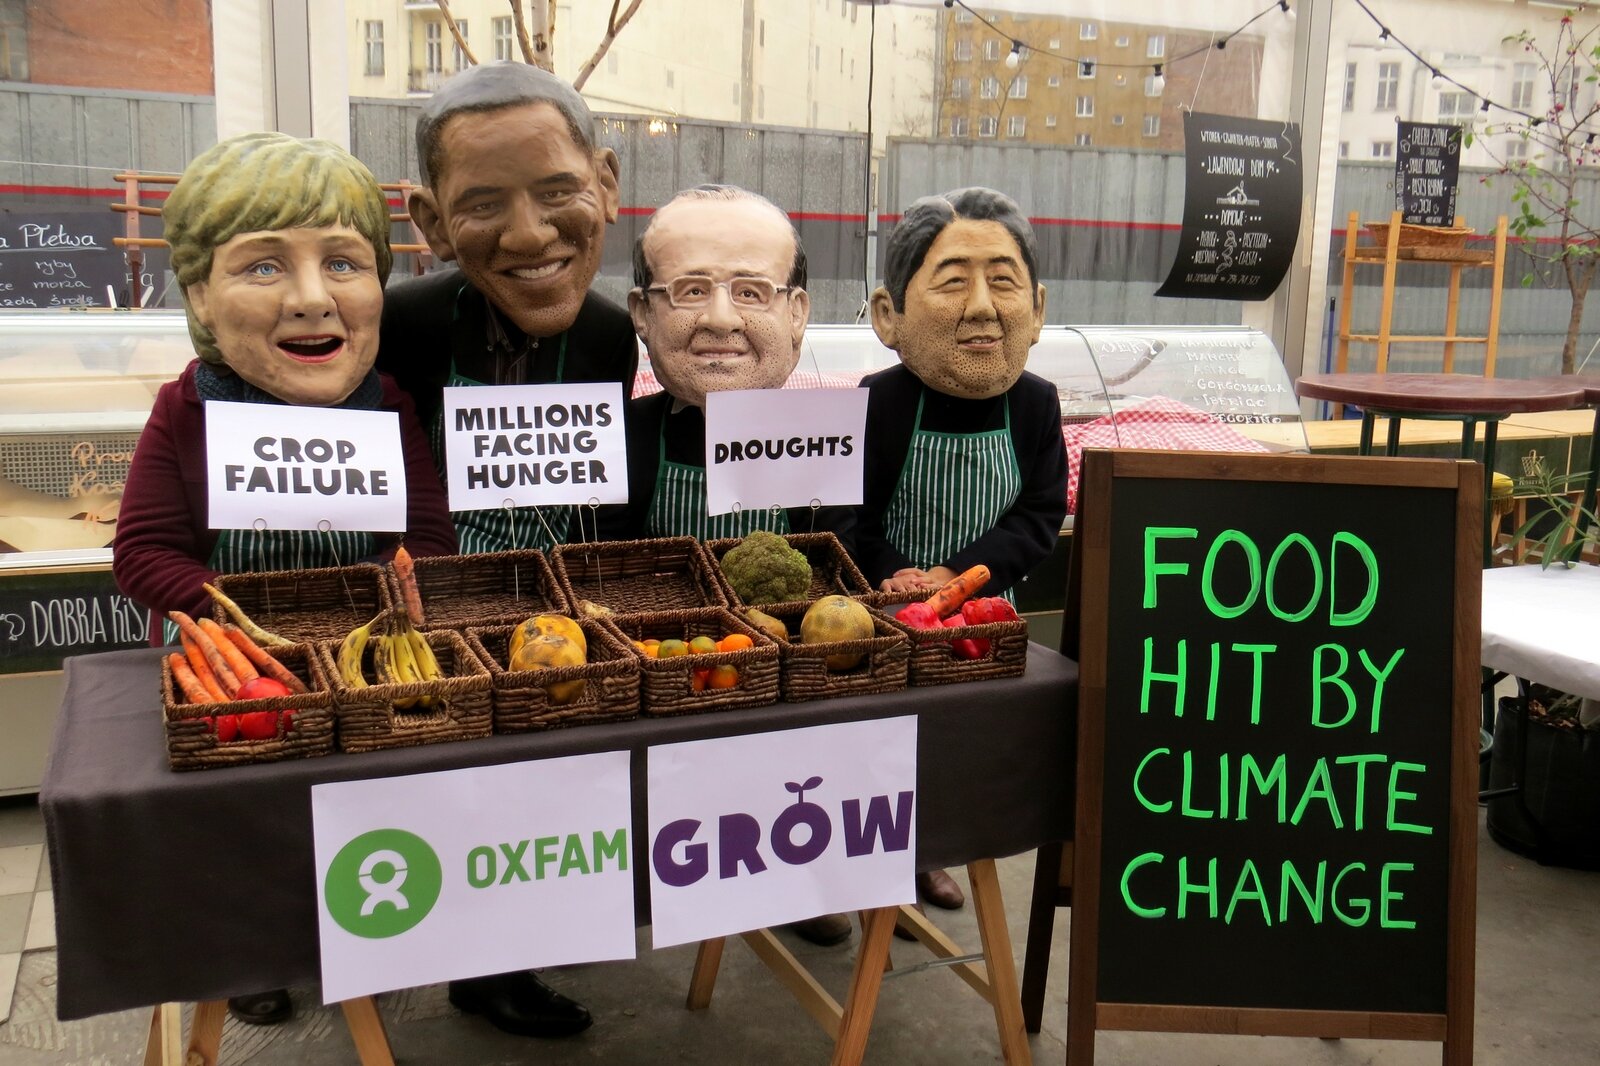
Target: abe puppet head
281,249
961,300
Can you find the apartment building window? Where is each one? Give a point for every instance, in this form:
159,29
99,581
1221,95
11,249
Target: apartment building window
1086,69
457,54
1388,86
1017,126
1117,120
1055,43
1049,122
500,30
1155,46
1088,31
958,126
991,49
1516,150
1055,81
1349,86
1458,108
1086,107
959,87
1522,85
963,51
433,47
1083,140
1152,125
1344,149
1124,40
373,32
1383,149
989,88
1153,86
1019,87
988,126
963,16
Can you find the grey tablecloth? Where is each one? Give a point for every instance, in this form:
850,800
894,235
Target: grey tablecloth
200,885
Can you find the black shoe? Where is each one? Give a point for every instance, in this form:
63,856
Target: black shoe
825,930
521,1004
262,1008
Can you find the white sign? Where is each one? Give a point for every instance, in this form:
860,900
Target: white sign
442,876
754,831
784,448
534,445
274,466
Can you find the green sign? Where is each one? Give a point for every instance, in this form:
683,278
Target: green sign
382,883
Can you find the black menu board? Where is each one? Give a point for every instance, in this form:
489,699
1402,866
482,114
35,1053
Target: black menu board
1427,169
61,259
1241,208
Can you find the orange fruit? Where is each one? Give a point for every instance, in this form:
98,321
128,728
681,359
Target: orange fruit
734,642
703,645
698,682
723,677
671,649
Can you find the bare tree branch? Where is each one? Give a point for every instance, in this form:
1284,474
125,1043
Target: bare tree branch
613,27
455,32
523,41
542,31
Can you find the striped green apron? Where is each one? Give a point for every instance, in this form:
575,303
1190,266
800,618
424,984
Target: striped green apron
953,489
678,505
508,528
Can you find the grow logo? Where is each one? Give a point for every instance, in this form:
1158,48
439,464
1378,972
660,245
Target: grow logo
382,883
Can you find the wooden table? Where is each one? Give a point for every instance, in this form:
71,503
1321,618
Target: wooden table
1465,398
134,845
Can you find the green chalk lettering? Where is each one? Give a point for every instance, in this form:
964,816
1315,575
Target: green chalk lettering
1396,794
1255,651
1153,808
1250,770
1316,572
1359,613
1211,683
1127,875
1252,556
1318,679
1222,785
1153,569
1248,873
1312,900
1318,786
1189,809
1378,677
615,849
1385,895
1360,763
1186,888
1365,905
1150,674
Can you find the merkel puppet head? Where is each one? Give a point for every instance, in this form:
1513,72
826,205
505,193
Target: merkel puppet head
961,300
281,248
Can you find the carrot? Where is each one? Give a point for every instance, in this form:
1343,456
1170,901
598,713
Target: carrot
257,634
241,666
957,589
193,691
202,672
264,662
208,648
405,573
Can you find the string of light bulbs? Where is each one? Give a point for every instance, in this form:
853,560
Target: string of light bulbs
1086,67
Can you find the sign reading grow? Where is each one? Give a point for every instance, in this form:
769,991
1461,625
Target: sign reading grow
1276,809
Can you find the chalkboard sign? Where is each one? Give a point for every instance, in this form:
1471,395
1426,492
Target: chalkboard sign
61,259
1427,168
46,617
1277,724
1241,208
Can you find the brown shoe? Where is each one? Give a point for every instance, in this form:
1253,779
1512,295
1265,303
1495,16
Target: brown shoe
941,890
902,933
825,930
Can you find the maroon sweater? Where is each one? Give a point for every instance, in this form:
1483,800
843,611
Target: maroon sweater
161,553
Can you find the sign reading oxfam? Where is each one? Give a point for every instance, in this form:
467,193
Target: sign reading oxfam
436,877
382,883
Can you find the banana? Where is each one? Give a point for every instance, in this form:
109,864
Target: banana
427,663
382,660
350,653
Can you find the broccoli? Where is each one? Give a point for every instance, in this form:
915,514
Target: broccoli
763,568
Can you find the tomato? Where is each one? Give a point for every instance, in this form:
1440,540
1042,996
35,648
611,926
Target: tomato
262,688
225,726
258,725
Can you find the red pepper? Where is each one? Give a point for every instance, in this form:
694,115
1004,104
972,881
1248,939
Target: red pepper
918,616
965,647
988,609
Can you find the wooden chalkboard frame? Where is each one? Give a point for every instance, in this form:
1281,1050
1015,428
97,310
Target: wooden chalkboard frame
1102,469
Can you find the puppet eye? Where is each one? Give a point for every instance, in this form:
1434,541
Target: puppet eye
342,266
263,269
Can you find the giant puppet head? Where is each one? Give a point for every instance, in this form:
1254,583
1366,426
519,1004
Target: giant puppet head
516,193
719,297
961,300
281,249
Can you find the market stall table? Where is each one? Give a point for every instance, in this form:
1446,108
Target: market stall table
1466,398
146,863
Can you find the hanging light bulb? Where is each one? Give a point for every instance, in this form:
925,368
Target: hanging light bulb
1484,107
1383,33
1015,55
1086,67
1222,42
1437,81
1158,81
1283,5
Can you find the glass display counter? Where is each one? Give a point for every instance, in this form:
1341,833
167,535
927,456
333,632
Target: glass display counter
75,390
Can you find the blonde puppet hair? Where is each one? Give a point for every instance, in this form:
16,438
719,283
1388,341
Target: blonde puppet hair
260,182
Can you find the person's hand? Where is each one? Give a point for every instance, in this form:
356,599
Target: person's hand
939,575
909,579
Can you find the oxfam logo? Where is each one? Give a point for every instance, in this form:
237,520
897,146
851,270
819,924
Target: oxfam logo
382,883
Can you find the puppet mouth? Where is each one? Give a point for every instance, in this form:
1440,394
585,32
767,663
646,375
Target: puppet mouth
983,342
538,273
312,349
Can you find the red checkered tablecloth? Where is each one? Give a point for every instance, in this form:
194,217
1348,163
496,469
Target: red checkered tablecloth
645,383
1157,423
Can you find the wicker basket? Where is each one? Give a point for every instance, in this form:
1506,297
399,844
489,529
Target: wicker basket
193,745
1413,235
369,720
308,605
833,572
519,699
492,589
803,668
934,662
632,576
666,686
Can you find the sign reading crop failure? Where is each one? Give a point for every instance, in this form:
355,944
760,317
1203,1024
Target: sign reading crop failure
1278,719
